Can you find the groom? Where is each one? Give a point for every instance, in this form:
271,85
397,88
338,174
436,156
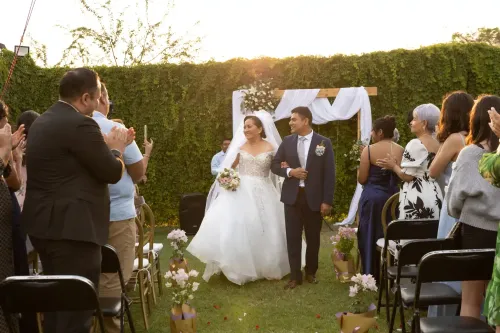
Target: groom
307,191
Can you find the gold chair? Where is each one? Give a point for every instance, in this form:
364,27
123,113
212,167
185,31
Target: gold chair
141,276
151,249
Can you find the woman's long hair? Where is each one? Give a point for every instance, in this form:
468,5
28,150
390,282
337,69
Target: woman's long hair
480,129
455,115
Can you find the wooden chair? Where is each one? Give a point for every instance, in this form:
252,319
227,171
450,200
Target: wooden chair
151,249
141,276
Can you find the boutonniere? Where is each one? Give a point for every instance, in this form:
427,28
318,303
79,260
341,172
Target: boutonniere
320,149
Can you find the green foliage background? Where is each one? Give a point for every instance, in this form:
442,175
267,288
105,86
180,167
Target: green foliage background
187,107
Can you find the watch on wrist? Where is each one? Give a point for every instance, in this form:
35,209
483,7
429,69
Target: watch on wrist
116,153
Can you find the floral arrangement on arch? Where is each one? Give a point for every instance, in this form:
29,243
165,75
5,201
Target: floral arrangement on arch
343,243
354,155
259,96
178,241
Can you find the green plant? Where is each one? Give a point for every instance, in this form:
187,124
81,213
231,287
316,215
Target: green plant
187,107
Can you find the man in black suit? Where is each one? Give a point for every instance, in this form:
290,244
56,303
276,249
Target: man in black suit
307,191
66,210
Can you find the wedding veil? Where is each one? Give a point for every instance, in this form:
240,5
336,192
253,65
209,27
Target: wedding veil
239,139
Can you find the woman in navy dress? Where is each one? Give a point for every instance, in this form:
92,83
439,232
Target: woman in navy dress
378,186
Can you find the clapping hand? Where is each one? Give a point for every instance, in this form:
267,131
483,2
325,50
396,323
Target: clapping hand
387,163
495,121
5,143
117,138
18,152
18,136
130,135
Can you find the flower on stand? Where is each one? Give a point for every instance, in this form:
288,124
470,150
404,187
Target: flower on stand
178,241
362,292
182,285
343,243
229,179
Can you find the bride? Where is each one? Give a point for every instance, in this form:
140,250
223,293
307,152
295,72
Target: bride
243,232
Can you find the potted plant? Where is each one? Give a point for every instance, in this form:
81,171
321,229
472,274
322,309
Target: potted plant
182,314
361,315
342,258
178,241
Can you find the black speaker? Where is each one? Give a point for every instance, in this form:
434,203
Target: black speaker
191,212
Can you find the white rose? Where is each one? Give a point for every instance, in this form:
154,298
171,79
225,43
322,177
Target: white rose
168,284
190,296
193,273
195,286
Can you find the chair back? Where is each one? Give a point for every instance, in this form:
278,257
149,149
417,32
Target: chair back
139,251
412,252
390,207
410,230
110,262
456,265
46,293
148,221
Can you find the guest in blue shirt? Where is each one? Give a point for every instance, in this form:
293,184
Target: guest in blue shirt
122,229
219,157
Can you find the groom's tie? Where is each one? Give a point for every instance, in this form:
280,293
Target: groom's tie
301,151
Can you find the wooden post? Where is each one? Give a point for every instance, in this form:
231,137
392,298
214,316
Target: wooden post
359,126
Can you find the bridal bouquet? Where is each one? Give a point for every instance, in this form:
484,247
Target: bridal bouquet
489,167
229,179
182,316
343,261
361,318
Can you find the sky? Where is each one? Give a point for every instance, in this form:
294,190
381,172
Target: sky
275,28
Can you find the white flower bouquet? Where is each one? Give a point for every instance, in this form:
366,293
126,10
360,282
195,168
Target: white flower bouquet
183,316
178,241
229,179
361,317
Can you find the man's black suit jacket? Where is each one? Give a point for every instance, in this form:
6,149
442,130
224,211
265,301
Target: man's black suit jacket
69,167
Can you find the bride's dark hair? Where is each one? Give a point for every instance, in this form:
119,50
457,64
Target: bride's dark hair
257,123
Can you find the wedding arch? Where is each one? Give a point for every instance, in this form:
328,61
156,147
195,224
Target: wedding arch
348,102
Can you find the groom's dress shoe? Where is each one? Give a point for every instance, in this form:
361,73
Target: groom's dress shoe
292,284
311,279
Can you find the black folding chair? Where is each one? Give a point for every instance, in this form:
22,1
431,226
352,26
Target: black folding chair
115,306
432,293
396,231
458,265
46,293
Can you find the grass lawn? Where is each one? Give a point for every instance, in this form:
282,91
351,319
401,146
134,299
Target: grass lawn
265,303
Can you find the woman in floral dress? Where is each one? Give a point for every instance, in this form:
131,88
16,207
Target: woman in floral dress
420,197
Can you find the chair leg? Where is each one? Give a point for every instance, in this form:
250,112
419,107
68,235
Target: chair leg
381,287
143,300
129,317
159,276
387,299
401,312
393,315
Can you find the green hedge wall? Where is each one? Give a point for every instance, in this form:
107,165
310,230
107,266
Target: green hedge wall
187,107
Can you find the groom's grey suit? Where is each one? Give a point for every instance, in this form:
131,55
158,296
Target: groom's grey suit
303,199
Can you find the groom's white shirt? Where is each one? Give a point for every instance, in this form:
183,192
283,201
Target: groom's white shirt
307,145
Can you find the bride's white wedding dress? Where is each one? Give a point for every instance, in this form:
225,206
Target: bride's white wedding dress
243,232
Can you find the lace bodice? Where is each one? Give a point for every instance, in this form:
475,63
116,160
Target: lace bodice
258,166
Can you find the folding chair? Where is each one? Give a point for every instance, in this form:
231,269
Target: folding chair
48,294
458,265
396,231
151,249
435,293
115,306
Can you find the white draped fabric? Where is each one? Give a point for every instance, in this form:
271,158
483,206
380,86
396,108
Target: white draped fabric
345,106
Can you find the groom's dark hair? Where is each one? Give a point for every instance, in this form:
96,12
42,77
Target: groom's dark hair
304,112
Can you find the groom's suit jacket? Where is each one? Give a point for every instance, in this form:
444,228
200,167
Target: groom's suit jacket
320,182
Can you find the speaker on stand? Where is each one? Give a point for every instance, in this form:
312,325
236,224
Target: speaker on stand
191,212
